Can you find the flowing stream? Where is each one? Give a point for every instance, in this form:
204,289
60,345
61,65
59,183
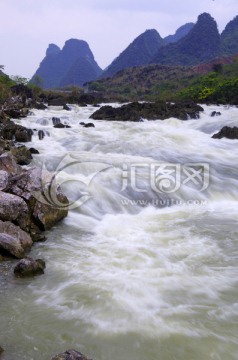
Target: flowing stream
145,266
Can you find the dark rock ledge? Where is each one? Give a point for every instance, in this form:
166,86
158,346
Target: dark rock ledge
159,110
227,132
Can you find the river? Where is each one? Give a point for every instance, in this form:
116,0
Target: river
145,266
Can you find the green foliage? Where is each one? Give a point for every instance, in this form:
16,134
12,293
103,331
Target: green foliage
19,79
220,86
172,83
5,84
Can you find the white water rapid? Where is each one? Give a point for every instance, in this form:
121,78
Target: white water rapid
145,266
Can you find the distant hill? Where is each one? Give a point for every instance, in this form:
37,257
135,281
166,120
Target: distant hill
201,44
215,81
139,52
73,65
229,38
179,34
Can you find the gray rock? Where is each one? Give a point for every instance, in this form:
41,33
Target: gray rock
70,355
4,180
14,208
13,240
47,215
8,163
22,155
29,267
37,189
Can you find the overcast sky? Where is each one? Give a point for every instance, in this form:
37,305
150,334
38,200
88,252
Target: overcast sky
28,26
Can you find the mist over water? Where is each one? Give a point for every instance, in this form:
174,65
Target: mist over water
133,272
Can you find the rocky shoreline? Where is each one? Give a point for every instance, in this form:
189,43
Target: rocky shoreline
23,216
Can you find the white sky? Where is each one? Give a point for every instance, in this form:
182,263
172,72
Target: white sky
28,26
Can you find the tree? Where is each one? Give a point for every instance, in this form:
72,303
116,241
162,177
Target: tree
1,67
19,79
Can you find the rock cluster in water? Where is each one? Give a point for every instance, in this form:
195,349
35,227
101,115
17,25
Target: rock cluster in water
159,110
227,132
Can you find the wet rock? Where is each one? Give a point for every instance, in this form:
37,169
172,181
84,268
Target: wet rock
13,208
56,120
1,350
46,202
23,134
39,106
13,113
4,180
66,107
47,215
227,132
13,240
61,126
33,151
22,155
8,164
70,355
87,99
159,110
215,113
29,267
88,125
12,131
41,134
57,101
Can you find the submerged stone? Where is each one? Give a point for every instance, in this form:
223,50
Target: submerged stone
29,267
70,355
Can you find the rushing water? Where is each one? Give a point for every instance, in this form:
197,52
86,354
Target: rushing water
133,272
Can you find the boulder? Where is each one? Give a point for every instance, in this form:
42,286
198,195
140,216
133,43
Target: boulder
57,101
13,240
215,113
4,180
13,113
61,126
46,202
70,355
66,107
55,120
159,110
39,106
48,214
8,164
12,131
227,132
88,125
33,151
29,267
23,134
22,155
14,208
41,134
